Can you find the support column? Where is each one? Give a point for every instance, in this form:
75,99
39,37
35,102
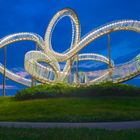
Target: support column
4,72
109,56
36,47
77,62
33,82
32,78
109,51
71,70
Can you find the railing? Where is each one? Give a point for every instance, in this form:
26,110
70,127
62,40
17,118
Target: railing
46,54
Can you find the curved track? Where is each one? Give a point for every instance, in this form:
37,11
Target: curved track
52,72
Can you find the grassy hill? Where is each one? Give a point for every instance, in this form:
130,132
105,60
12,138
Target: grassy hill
70,109
105,102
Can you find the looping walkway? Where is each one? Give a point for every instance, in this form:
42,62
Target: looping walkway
52,71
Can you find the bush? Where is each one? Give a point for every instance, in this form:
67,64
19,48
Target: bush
65,90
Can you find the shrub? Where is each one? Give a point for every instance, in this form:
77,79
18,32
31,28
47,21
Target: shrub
65,90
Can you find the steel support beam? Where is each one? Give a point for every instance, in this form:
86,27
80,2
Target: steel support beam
32,78
109,51
4,72
77,62
71,61
109,57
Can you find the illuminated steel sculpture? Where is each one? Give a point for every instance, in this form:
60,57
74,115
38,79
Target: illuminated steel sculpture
52,72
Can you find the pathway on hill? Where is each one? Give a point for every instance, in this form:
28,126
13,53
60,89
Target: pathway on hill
102,125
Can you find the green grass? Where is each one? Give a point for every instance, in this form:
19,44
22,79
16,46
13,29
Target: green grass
67,134
70,109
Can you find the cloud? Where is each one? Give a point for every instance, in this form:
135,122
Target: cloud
20,71
137,78
96,73
85,64
22,74
121,49
8,87
16,69
90,64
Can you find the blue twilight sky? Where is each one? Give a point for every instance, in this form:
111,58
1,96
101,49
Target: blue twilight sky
34,16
